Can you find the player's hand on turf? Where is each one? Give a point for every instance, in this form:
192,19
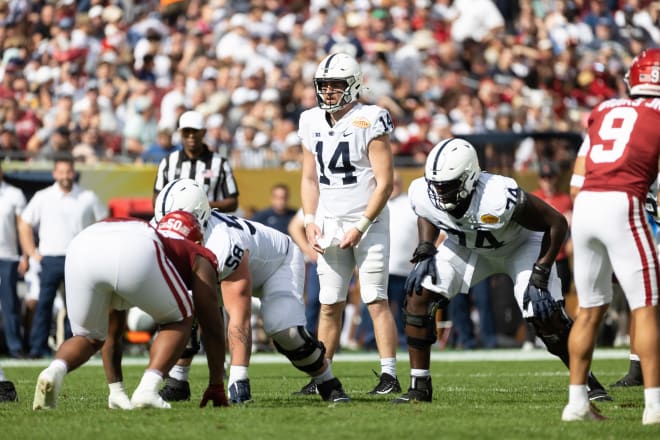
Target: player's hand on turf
216,394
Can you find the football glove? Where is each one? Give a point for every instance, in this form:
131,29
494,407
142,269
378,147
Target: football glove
216,394
543,304
424,257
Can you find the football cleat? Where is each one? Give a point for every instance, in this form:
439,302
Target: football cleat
175,390
8,392
597,392
386,385
48,388
148,399
588,412
651,416
421,390
633,378
239,392
332,391
307,390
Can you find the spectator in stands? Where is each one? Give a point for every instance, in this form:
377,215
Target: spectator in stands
162,148
58,213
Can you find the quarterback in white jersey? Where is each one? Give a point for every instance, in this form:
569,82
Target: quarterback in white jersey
255,259
347,176
492,227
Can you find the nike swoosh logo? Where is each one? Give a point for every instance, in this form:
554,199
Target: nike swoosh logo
347,134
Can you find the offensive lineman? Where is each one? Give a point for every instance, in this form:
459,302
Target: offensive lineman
492,227
256,258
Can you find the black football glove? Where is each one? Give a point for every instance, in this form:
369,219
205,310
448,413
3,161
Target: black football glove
424,257
216,394
543,304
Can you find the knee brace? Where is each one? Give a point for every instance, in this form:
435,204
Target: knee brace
425,322
304,351
554,332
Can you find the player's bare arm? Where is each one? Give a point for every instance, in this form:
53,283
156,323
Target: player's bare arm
207,310
237,299
230,204
536,215
309,194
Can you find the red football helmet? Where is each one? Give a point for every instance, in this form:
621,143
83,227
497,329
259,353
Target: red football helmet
181,224
643,78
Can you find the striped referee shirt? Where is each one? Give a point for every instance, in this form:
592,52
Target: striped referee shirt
210,169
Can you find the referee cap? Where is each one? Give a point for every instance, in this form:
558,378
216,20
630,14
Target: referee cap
191,119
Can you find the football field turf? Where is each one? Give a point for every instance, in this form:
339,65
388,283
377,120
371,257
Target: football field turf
499,394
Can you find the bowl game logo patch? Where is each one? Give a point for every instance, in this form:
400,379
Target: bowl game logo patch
361,123
489,219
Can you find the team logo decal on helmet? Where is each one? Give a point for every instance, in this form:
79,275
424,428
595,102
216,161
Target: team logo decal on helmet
186,195
338,67
451,172
643,78
181,224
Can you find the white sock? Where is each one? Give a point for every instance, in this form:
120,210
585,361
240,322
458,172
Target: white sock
151,381
116,387
325,376
388,365
634,357
652,398
578,396
180,372
3,378
236,373
416,372
349,312
59,365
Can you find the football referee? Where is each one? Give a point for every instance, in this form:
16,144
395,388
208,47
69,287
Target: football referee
196,161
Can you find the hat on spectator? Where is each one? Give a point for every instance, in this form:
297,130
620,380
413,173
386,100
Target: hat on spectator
95,11
191,119
112,13
215,120
209,73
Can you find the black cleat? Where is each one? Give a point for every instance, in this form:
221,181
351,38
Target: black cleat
633,378
175,390
332,391
387,384
307,390
597,392
421,390
239,392
8,392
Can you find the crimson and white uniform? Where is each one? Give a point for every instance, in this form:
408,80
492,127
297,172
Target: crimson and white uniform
610,229
484,242
346,183
275,262
124,263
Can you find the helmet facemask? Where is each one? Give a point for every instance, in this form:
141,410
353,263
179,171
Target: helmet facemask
346,96
446,196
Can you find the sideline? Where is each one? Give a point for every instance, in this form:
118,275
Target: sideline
504,355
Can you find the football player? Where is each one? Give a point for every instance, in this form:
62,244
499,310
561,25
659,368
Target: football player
116,264
347,176
7,389
492,227
255,259
621,161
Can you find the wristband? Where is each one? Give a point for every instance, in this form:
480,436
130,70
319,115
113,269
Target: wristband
577,180
363,224
308,220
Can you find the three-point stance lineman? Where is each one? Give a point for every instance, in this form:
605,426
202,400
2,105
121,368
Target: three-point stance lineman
492,227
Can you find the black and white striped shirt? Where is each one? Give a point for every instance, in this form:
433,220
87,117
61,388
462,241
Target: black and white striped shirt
210,169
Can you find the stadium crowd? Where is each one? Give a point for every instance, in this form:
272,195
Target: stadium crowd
107,79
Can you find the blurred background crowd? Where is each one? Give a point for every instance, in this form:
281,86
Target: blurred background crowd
107,79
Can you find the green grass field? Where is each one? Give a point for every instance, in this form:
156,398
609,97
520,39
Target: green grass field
485,395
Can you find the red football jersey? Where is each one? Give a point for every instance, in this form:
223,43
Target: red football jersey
182,254
623,146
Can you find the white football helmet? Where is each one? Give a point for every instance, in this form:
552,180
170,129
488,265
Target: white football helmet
451,172
338,67
185,195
